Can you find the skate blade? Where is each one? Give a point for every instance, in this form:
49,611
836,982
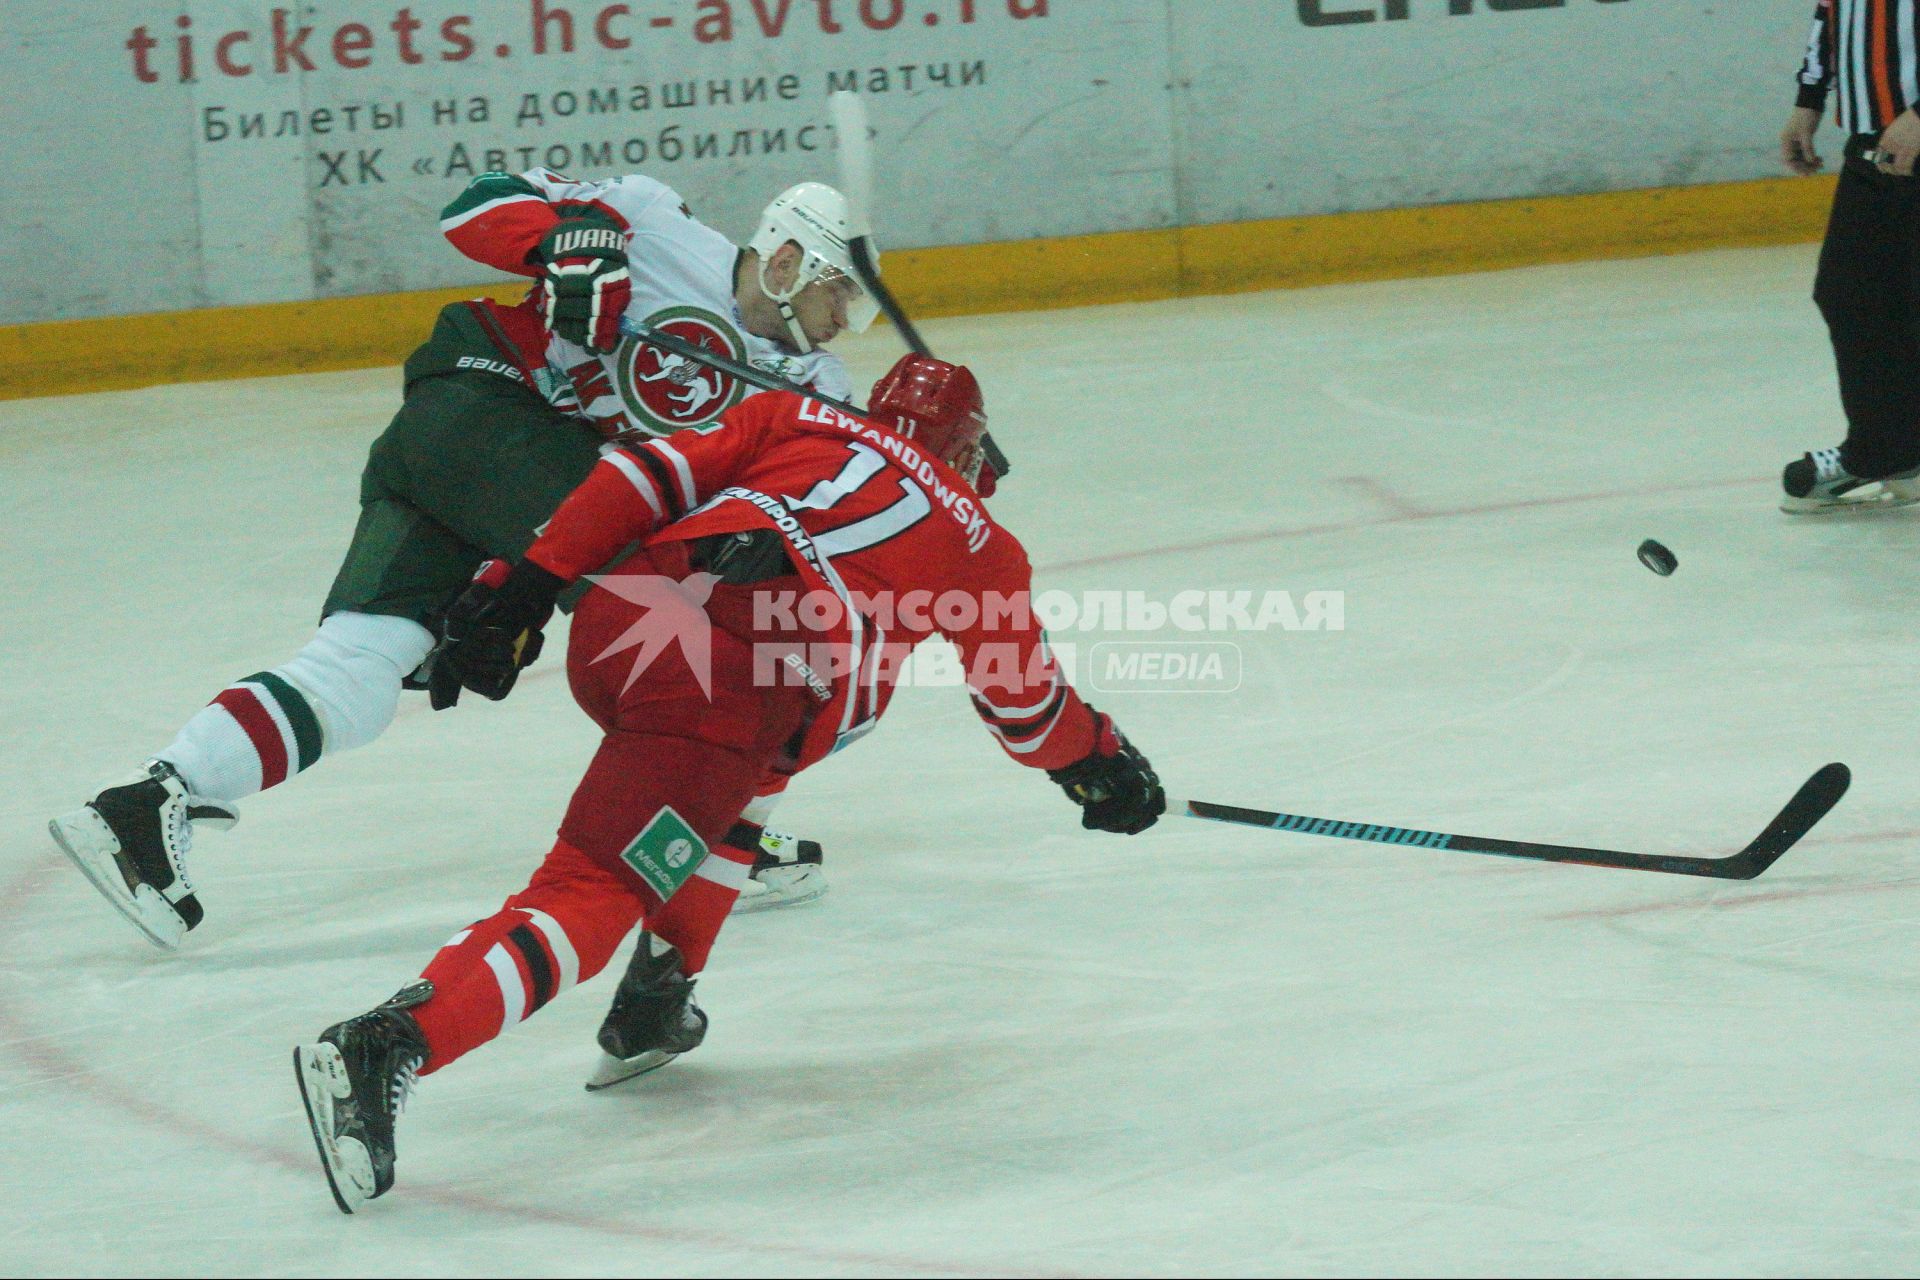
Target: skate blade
801,890
89,843
1885,500
322,1076
612,1070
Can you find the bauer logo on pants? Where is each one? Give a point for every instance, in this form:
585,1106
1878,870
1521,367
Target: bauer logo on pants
666,853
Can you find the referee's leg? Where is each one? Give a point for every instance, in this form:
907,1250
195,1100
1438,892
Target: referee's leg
1866,289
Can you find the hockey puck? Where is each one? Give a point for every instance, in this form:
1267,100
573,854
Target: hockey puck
1657,558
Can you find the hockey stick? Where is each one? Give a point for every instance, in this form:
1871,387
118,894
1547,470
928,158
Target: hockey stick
1809,804
728,365
856,183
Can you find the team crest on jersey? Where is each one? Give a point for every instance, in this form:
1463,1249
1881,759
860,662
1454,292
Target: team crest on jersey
665,390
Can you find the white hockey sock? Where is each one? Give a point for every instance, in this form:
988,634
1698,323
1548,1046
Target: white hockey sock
339,692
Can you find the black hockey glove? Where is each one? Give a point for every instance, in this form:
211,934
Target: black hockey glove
492,631
584,268
1115,787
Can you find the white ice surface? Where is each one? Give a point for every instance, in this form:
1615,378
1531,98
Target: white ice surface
1002,1045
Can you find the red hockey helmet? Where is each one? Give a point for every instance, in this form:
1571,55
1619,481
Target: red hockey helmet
936,405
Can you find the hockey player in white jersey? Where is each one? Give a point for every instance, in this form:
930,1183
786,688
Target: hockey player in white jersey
506,409
630,255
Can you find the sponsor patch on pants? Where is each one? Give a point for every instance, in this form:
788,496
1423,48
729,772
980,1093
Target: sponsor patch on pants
666,853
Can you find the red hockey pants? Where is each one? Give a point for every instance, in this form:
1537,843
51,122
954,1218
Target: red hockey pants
675,769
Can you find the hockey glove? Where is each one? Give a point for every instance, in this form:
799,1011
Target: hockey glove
1115,787
584,268
492,631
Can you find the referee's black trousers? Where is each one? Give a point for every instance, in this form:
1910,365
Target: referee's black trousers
1868,289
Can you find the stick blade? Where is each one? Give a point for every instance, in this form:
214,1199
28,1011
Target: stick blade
1812,802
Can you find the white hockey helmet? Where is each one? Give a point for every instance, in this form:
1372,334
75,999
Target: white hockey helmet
817,218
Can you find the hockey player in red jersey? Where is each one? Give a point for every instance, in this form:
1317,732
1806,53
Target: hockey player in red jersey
505,411
785,499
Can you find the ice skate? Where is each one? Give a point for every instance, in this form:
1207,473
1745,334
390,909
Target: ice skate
653,1019
1816,482
354,1081
132,840
786,872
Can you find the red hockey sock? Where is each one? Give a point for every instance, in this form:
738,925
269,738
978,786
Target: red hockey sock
692,917
560,930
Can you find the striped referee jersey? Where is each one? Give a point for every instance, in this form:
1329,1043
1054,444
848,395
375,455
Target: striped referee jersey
1868,50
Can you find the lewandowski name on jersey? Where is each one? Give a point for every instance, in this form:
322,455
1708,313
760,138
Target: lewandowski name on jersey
957,502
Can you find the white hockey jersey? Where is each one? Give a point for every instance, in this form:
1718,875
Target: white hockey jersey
682,275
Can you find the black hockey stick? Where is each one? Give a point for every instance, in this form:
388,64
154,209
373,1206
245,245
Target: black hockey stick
1809,804
728,365
856,182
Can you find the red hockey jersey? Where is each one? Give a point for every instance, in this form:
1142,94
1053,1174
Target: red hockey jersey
896,538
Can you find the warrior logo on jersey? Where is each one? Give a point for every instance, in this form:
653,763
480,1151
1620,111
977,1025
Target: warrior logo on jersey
666,391
785,367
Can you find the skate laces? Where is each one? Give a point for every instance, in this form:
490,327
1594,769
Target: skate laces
406,1078
1826,464
176,818
178,830
179,838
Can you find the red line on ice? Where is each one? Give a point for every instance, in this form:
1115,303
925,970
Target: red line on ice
1385,495
1374,522
1740,898
44,1056
60,1066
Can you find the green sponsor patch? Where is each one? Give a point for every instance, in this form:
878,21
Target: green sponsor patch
666,853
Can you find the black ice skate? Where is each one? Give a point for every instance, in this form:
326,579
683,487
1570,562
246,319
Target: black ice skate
354,1081
653,1019
786,869
1816,482
132,840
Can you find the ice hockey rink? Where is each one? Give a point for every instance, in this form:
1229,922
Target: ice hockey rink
1000,1045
